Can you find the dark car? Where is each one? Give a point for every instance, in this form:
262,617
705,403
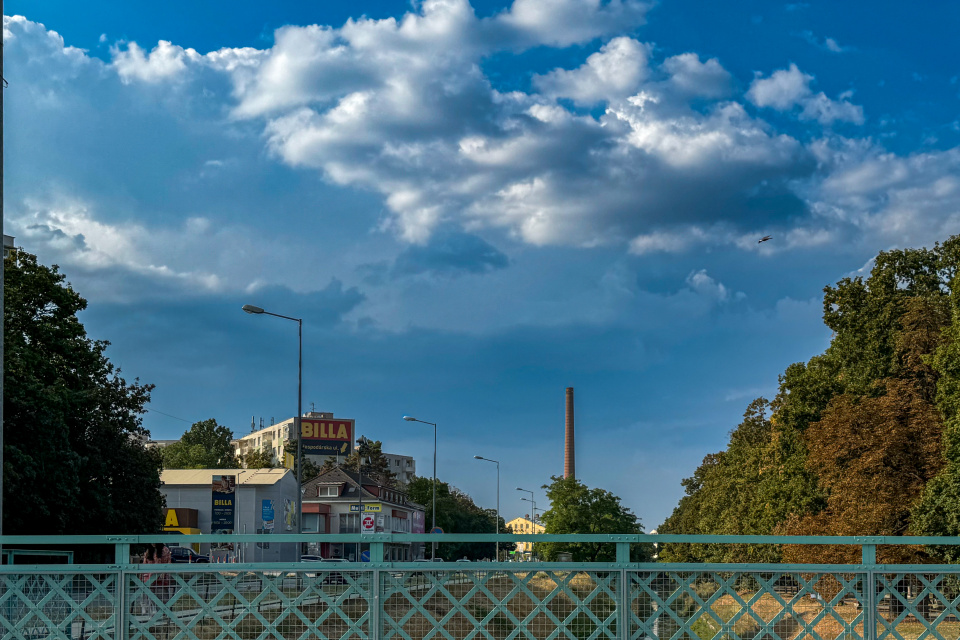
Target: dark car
334,577
186,554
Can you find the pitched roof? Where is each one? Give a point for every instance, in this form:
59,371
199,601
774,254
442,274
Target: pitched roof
339,475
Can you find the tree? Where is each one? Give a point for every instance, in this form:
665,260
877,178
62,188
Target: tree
205,445
457,513
873,457
576,508
368,459
867,413
74,454
258,459
310,468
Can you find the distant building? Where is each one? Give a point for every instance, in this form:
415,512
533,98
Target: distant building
274,438
524,525
332,503
405,467
8,245
159,444
270,439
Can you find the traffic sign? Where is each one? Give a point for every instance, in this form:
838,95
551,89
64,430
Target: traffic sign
365,556
436,530
368,523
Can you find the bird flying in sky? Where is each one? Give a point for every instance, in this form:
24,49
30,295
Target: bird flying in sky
764,239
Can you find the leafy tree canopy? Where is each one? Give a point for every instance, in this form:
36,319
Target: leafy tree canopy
205,445
862,439
74,454
457,513
310,468
576,508
259,459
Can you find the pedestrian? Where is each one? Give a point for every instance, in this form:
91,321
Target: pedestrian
149,557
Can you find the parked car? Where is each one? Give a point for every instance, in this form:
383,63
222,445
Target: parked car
311,558
334,577
186,554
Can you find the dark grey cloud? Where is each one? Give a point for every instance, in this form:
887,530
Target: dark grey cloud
450,254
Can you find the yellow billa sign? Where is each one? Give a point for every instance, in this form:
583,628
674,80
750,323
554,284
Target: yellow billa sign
326,437
367,507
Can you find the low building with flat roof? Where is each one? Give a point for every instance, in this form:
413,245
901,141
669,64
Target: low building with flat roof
263,501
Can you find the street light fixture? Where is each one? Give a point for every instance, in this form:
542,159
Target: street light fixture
249,308
433,544
534,519
497,526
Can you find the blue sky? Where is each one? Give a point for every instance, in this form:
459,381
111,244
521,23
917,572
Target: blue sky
476,206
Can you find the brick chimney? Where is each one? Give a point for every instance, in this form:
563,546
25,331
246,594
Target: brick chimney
569,454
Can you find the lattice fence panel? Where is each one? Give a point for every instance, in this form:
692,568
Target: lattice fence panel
499,605
700,605
221,605
41,606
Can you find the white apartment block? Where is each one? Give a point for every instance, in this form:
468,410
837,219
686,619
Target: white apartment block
274,438
404,467
270,439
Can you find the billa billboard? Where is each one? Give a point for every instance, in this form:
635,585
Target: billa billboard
224,501
326,436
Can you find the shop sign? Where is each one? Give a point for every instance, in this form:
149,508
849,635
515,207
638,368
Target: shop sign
326,437
368,507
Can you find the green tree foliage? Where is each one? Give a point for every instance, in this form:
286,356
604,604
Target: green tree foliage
576,508
937,513
205,445
310,468
457,513
74,455
868,412
367,458
259,459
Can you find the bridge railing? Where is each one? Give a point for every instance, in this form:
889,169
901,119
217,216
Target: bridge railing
617,600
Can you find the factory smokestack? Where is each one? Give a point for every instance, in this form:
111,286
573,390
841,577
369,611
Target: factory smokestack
569,454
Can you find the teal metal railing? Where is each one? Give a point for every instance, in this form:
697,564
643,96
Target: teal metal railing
619,600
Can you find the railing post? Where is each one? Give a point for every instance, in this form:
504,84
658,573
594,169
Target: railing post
376,601
869,560
623,604
121,558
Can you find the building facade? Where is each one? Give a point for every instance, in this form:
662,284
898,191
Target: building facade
274,438
524,525
336,501
404,467
258,493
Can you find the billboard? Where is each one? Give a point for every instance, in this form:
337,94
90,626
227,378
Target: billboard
418,521
224,491
326,436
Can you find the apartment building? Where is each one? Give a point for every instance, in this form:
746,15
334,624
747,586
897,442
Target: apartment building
274,438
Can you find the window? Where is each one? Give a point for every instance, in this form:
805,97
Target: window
349,523
328,492
311,523
396,463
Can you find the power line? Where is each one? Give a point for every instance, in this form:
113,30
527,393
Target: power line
169,416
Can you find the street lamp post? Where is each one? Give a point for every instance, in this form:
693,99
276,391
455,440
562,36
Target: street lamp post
433,544
532,500
497,526
535,509
249,308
